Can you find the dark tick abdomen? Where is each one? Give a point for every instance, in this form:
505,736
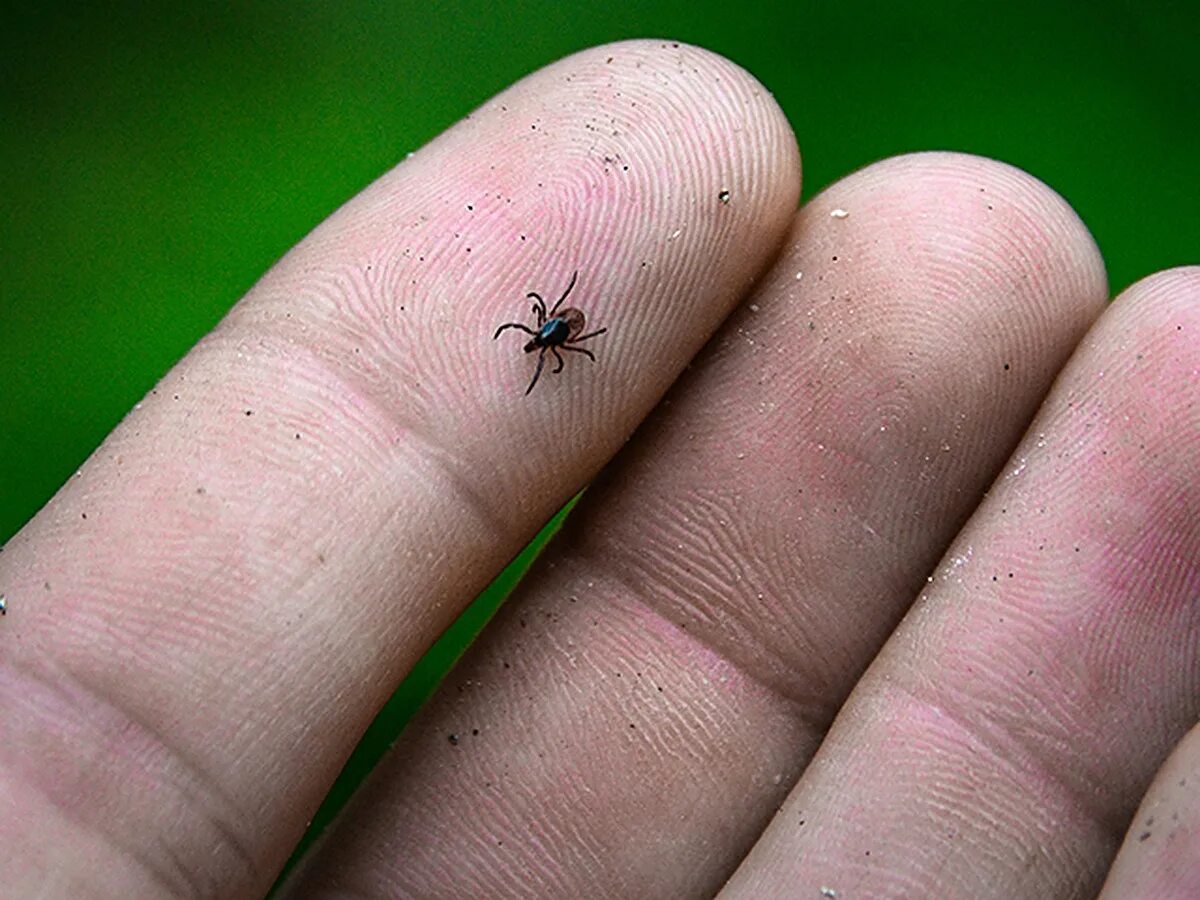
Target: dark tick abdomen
554,332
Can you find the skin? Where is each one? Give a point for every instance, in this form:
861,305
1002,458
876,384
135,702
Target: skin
733,671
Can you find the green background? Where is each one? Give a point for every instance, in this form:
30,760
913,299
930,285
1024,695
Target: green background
156,159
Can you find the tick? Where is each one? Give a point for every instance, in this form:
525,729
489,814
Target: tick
556,330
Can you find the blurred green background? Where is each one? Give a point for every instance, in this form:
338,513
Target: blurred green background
157,158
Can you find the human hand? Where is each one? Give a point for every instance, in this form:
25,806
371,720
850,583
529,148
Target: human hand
202,623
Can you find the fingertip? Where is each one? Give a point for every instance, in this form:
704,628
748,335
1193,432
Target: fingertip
1177,288
975,204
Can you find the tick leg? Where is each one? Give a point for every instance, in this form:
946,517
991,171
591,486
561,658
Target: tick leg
536,372
557,368
539,308
524,328
587,353
584,337
564,296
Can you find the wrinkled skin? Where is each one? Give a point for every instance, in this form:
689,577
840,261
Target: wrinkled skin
893,592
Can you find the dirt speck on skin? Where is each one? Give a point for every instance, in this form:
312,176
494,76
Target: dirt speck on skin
3,605
724,197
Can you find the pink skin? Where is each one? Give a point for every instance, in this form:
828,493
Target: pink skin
748,555
187,667
1029,697
202,623
1161,854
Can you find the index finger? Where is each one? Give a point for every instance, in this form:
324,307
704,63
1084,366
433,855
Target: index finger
204,620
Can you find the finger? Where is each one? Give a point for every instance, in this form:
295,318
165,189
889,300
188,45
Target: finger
999,744
1160,859
202,622
641,707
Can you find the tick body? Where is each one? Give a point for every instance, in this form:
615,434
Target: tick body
557,329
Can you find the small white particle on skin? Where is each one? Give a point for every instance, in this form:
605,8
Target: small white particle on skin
828,892
675,234
753,307
839,213
799,275
959,560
